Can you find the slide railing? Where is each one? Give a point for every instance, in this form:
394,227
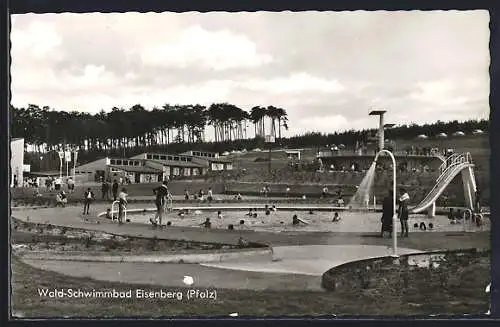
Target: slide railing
449,169
452,161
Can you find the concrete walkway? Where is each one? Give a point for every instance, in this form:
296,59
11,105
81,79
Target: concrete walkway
311,260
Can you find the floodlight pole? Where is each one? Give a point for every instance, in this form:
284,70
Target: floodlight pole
270,140
394,216
381,135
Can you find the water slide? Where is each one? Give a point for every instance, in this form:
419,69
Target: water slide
453,166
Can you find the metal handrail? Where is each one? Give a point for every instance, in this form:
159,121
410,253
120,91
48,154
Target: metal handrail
453,160
113,211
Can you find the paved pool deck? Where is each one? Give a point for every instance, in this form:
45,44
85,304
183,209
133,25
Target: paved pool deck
299,257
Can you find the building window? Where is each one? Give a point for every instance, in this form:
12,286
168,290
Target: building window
189,159
136,163
163,157
118,162
113,161
148,156
169,157
176,158
176,171
125,162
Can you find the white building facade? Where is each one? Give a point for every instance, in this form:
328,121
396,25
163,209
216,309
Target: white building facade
16,161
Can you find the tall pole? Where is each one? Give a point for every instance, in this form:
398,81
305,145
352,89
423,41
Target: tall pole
394,215
74,165
269,167
381,136
61,156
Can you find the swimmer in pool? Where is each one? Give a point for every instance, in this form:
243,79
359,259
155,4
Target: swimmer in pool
206,223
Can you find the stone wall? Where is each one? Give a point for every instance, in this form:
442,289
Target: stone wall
444,272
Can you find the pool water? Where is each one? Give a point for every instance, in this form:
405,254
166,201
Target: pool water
281,221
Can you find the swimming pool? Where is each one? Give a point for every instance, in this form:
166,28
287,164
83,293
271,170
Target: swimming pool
281,221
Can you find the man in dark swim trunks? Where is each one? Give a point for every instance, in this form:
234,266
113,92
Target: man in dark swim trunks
161,193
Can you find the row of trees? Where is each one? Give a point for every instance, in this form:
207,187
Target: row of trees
175,128
47,129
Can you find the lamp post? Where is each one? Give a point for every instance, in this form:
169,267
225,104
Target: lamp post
394,216
75,158
270,140
61,157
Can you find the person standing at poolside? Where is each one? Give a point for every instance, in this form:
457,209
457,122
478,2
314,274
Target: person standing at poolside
122,205
114,189
71,185
477,200
403,212
161,193
88,196
105,190
387,214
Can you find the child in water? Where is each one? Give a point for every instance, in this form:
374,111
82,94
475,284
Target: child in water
206,223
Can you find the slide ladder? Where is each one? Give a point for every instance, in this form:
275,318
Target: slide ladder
454,165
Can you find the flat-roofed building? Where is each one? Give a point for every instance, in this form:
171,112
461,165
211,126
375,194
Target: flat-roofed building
17,168
175,165
212,159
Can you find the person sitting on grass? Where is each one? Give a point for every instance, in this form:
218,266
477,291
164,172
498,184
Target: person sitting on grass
336,217
324,192
250,214
61,199
37,194
210,195
186,194
206,223
340,202
219,214
238,197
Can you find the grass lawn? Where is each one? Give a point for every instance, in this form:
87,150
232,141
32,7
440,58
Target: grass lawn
26,301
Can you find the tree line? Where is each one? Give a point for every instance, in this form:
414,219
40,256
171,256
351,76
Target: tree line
178,128
48,130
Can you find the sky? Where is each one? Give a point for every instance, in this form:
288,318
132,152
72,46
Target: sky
326,69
